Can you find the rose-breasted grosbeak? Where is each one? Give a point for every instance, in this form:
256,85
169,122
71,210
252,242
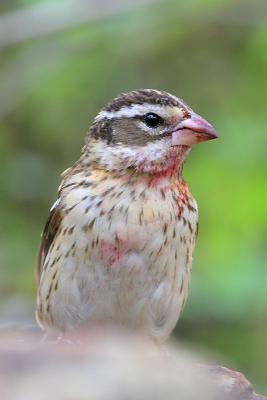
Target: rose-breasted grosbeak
119,240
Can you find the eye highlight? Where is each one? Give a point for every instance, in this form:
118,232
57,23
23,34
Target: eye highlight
152,120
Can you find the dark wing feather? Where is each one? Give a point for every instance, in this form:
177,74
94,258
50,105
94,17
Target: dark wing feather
50,230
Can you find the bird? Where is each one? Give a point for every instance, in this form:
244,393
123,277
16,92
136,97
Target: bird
118,244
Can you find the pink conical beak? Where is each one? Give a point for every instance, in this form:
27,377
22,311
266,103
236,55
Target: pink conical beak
193,130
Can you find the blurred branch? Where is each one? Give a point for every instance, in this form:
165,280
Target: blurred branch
109,364
53,16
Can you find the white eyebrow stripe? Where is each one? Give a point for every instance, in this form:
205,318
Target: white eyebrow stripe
133,111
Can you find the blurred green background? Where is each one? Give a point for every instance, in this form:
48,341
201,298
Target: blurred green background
63,60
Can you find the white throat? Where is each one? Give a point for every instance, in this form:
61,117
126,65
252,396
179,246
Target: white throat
155,157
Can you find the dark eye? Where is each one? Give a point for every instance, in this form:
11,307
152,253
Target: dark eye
152,120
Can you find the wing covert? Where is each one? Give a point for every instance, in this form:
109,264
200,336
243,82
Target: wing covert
50,230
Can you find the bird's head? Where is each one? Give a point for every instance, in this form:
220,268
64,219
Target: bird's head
147,130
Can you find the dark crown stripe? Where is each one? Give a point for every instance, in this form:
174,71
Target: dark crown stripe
142,96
